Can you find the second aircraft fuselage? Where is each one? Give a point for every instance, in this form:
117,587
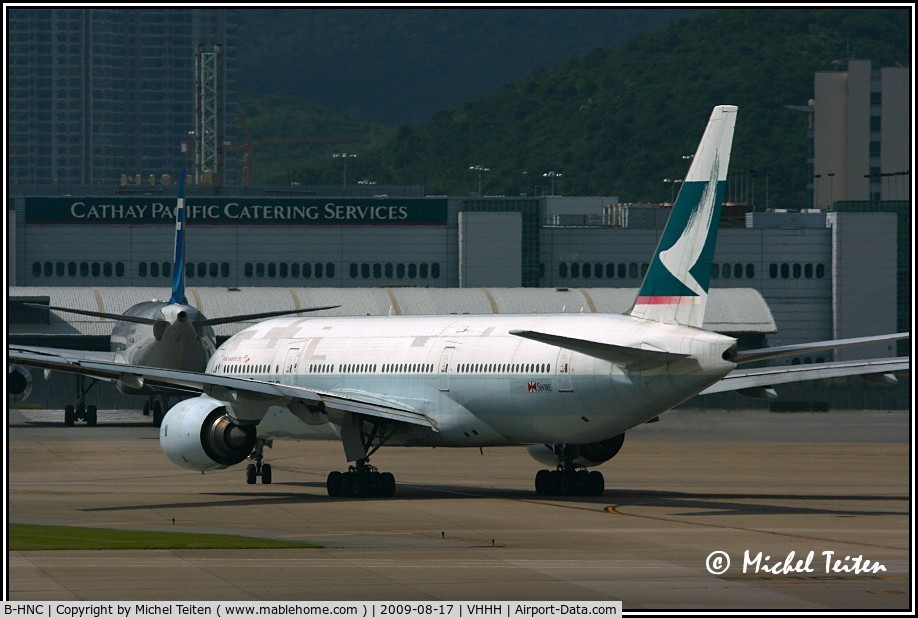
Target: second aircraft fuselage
477,383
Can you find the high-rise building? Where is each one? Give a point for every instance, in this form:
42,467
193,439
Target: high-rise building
97,93
861,127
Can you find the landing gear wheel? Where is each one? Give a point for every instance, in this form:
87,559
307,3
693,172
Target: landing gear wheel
69,415
386,485
266,474
597,484
250,474
334,483
356,486
91,416
542,482
158,414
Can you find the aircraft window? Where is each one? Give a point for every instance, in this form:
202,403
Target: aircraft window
424,270
388,270
725,272
272,269
750,271
282,269
377,270
259,269
820,271
773,271
715,271
562,270
785,270
36,269
621,271
587,270
48,269
202,269
247,271
214,269
353,270
167,269
400,271
632,270
96,269
365,271
189,269
71,269
644,267
107,269
575,270
435,270
154,269
84,269
319,270
412,270
808,271
330,270
797,271
59,269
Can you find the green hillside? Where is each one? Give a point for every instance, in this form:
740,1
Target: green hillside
617,121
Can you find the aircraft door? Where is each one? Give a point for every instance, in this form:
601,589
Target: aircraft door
563,370
443,383
291,363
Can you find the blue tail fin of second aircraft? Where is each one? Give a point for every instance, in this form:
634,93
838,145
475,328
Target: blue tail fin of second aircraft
675,288
178,259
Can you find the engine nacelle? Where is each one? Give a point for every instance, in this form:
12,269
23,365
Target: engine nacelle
587,455
199,434
18,383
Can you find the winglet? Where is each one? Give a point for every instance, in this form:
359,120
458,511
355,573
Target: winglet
675,288
178,259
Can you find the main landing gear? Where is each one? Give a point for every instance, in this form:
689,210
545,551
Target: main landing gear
258,468
158,406
568,479
362,438
81,412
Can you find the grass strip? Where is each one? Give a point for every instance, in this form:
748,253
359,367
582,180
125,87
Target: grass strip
28,537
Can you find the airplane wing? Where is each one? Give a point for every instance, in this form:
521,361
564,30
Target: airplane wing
747,379
231,389
89,355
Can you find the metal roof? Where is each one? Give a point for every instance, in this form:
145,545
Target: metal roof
730,310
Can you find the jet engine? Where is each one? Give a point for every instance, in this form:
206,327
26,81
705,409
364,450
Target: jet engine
199,434
587,455
18,383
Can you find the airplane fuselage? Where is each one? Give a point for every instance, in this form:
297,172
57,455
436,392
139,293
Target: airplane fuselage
479,384
174,342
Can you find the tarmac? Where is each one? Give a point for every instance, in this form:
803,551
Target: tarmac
467,525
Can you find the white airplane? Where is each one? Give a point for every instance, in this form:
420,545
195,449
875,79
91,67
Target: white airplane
567,386
169,334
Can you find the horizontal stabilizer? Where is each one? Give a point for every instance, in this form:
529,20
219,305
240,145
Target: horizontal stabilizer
739,380
258,316
750,356
98,314
633,358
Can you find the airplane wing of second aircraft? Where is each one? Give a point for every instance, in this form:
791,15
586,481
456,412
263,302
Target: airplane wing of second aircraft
237,390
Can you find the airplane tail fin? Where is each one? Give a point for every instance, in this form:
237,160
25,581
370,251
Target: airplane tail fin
675,288
178,259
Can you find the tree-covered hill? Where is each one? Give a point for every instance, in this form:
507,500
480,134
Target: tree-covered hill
618,120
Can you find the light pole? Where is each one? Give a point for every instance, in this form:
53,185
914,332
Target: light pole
551,176
481,170
673,182
344,156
